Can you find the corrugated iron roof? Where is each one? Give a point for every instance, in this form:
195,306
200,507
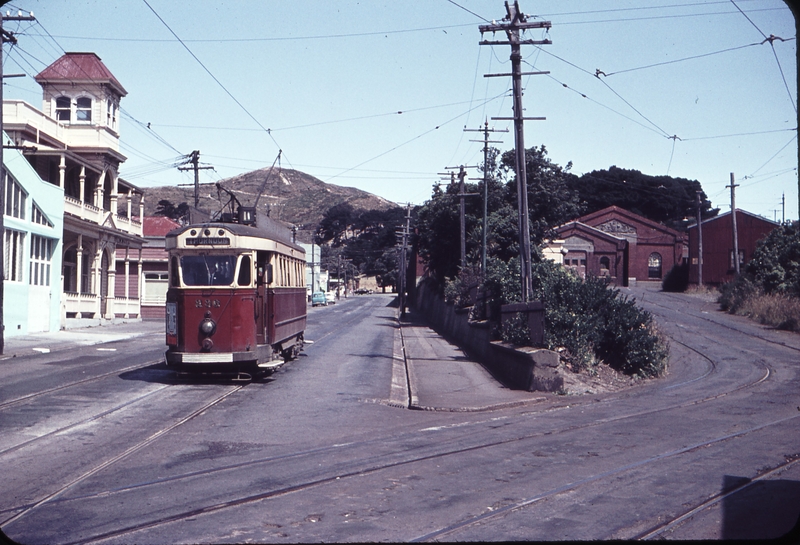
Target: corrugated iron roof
80,67
158,226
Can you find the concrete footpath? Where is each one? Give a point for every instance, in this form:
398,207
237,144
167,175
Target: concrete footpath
22,345
430,373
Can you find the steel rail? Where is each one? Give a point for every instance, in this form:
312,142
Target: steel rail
141,444
11,402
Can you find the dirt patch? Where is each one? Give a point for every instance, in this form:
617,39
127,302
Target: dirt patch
599,380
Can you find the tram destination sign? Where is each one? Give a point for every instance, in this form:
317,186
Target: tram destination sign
208,241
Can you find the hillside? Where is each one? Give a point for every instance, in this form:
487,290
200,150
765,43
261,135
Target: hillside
291,196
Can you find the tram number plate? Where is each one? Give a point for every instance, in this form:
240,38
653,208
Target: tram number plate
206,303
208,241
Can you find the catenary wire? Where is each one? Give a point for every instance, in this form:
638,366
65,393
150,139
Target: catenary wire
246,111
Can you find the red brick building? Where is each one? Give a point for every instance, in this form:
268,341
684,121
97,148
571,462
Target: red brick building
154,266
621,245
718,263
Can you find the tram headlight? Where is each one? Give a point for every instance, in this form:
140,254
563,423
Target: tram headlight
208,326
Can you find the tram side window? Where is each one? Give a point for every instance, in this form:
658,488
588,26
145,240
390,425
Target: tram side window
174,276
208,270
245,269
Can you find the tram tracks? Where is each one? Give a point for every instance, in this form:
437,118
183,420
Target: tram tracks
94,378
367,469
113,460
361,469
364,467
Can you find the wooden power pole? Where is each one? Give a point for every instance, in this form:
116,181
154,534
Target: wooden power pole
194,159
515,22
485,130
733,187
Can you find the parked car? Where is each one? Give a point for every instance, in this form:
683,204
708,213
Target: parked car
318,299
330,298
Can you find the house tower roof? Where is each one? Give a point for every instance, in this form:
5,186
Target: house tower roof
79,68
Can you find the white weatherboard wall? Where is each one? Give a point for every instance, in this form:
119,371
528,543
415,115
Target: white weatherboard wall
29,308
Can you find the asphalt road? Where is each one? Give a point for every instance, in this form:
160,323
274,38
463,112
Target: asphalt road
110,447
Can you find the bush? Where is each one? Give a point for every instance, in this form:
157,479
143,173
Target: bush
775,267
587,319
677,279
768,290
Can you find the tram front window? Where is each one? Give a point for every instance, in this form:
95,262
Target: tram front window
208,270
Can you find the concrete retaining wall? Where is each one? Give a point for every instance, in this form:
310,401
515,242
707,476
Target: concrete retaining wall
525,368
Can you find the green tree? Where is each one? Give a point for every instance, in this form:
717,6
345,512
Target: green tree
179,213
550,203
664,199
336,223
365,239
775,266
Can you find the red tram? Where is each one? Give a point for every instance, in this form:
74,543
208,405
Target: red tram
237,297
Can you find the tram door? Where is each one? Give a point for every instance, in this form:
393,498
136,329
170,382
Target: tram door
262,274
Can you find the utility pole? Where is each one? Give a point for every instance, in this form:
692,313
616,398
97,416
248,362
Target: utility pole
462,219
338,275
783,206
312,271
404,262
733,187
486,130
699,241
514,22
5,36
194,158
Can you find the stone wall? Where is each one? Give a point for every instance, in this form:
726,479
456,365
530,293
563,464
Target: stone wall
519,368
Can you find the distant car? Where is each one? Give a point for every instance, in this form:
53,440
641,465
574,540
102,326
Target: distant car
363,291
318,299
330,298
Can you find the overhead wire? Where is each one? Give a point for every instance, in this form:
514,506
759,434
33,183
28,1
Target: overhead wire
59,50
412,139
771,39
246,111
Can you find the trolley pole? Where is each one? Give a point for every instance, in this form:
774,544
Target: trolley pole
514,22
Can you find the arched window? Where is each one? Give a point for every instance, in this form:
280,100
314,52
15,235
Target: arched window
83,110
654,265
63,109
605,263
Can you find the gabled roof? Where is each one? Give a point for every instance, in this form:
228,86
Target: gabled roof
158,226
588,230
629,215
738,211
80,67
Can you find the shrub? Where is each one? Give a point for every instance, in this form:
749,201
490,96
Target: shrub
775,266
460,290
587,321
594,322
768,290
677,279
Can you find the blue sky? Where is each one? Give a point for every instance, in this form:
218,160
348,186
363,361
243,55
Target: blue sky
376,95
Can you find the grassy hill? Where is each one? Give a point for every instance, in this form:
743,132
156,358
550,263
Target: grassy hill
291,196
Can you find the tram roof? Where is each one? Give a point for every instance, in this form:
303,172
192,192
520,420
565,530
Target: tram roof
270,230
